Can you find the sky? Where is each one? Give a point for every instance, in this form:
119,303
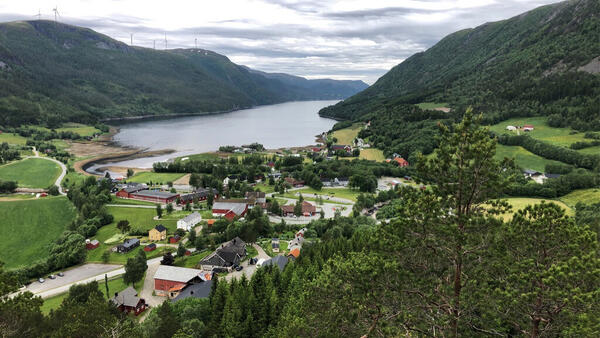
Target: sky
339,39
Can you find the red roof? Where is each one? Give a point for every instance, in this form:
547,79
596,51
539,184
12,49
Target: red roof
401,162
295,252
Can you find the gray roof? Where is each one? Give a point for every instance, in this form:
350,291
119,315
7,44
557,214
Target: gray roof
130,242
191,217
134,189
155,193
237,207
176,274
127,297
199,290
280,261
531,172
160,228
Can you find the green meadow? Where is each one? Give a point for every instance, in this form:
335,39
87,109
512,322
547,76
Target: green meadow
31,172
559,136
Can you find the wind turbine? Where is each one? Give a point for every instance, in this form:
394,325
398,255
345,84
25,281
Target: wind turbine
56,13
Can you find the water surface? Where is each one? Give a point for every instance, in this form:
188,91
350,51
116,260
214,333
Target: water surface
289,124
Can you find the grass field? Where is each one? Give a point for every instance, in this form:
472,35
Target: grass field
371,154
523,157
80,129
431,105
145,177
559,136
12,138
141,218
265,188
346,193
191,261
519,203
114,285
31,172
347,135
587,196
28,226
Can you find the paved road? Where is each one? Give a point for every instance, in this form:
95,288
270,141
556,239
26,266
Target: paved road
248,269
78,275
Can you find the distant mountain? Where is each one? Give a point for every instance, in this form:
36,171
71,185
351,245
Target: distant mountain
542,62
52,72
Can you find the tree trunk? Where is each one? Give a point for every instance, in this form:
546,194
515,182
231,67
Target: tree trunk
457,290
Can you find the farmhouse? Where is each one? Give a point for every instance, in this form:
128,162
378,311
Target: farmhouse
154,196
189,221
293,182
171,280
128,301
307,209
158,233
128,245
230,209
228,254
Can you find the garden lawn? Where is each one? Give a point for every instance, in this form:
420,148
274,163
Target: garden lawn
12,138
372,154
523,157
27,228
346,136
192,260
139,218
31,172
586,196
145,177
558,136
265,188
519,203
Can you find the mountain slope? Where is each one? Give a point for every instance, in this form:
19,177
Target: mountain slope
52,72
547,57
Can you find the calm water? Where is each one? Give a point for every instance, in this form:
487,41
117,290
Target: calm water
281,125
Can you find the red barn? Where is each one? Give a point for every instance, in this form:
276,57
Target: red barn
174,239
170,280
129,191
154,196
230,209
91,245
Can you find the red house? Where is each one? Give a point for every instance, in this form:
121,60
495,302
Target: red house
174,239
91,245
127,301
150,247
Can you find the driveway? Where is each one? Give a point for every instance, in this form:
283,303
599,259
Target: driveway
148,289
79,275
248,269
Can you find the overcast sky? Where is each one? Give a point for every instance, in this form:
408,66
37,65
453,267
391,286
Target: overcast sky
341,39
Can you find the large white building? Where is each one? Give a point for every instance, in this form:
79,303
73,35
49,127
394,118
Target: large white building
188,222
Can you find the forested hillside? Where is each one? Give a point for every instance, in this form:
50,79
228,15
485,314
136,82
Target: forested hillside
544,62
52,72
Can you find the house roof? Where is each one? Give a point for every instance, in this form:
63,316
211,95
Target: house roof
127,297
198,290
130,242
156,194
295,252
306,208
151,245
133,189
94,242
339,146
531,172
176,274
160,228
192,217
401,161
280,261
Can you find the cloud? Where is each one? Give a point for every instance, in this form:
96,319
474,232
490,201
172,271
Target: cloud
342,39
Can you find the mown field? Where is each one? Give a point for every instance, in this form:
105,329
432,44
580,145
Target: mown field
519,203
587,196
81,129
523,157
347,135
31,172
145,177
559,136
27,227
12,138
431,105
308,193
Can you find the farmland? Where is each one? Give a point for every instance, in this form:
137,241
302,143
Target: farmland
587,196
558,136
31,172
80,129
347,135
519,203
523,157
145,177
431,105
35,223
12,138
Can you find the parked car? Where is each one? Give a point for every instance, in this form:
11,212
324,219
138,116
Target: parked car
60,274
52,276
239,268
41,280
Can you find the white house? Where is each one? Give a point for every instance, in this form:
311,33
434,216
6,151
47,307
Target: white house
188,222
511,128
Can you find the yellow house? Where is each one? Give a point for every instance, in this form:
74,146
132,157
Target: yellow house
158,233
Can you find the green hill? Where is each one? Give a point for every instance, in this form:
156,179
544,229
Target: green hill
52,73
542,62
